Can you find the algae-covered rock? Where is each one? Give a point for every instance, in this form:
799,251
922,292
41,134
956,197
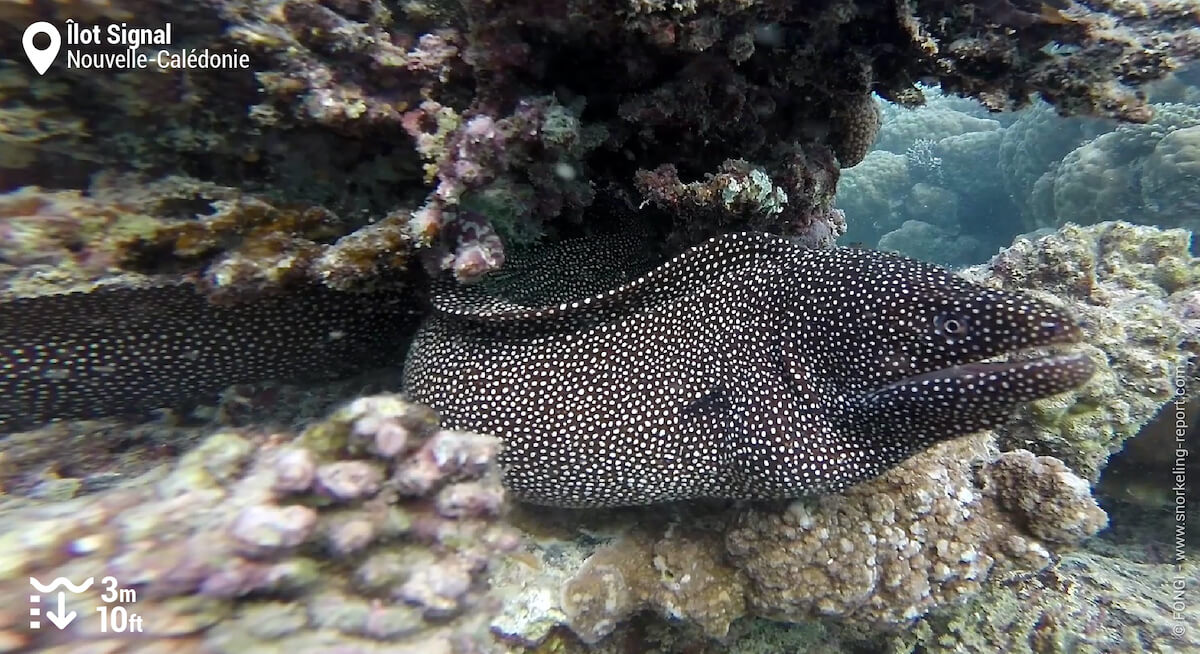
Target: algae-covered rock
1085,602
924,535
1130,286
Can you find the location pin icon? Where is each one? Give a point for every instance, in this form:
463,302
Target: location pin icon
41,59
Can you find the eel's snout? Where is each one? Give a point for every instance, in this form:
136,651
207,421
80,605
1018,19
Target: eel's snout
1046,365
1061,329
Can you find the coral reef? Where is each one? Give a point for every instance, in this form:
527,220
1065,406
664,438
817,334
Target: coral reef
928,242
369,137
929,189
853,128
927,536
277,543
1084,602
1057,611
1033,145
872,193
67,458
1139,173
35,133
902,128
241,244
1170,177
514,116
739,196
500,177
1134,288
923,536
692,581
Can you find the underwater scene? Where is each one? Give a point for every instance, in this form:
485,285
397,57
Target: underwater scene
599,326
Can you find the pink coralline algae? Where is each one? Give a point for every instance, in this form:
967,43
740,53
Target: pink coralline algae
497,177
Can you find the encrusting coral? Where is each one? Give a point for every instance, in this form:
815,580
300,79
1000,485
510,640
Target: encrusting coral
1058,611
925,535
922,538
240,244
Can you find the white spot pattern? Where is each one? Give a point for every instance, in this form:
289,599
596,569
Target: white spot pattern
747,367
114,350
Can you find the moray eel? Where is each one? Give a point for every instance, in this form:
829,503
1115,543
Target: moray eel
746,368
127,349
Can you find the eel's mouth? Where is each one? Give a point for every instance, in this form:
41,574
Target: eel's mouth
1023,375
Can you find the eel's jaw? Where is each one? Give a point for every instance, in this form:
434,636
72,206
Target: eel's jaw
917,411
1009,382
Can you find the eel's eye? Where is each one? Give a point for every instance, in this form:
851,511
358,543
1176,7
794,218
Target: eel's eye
950,325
